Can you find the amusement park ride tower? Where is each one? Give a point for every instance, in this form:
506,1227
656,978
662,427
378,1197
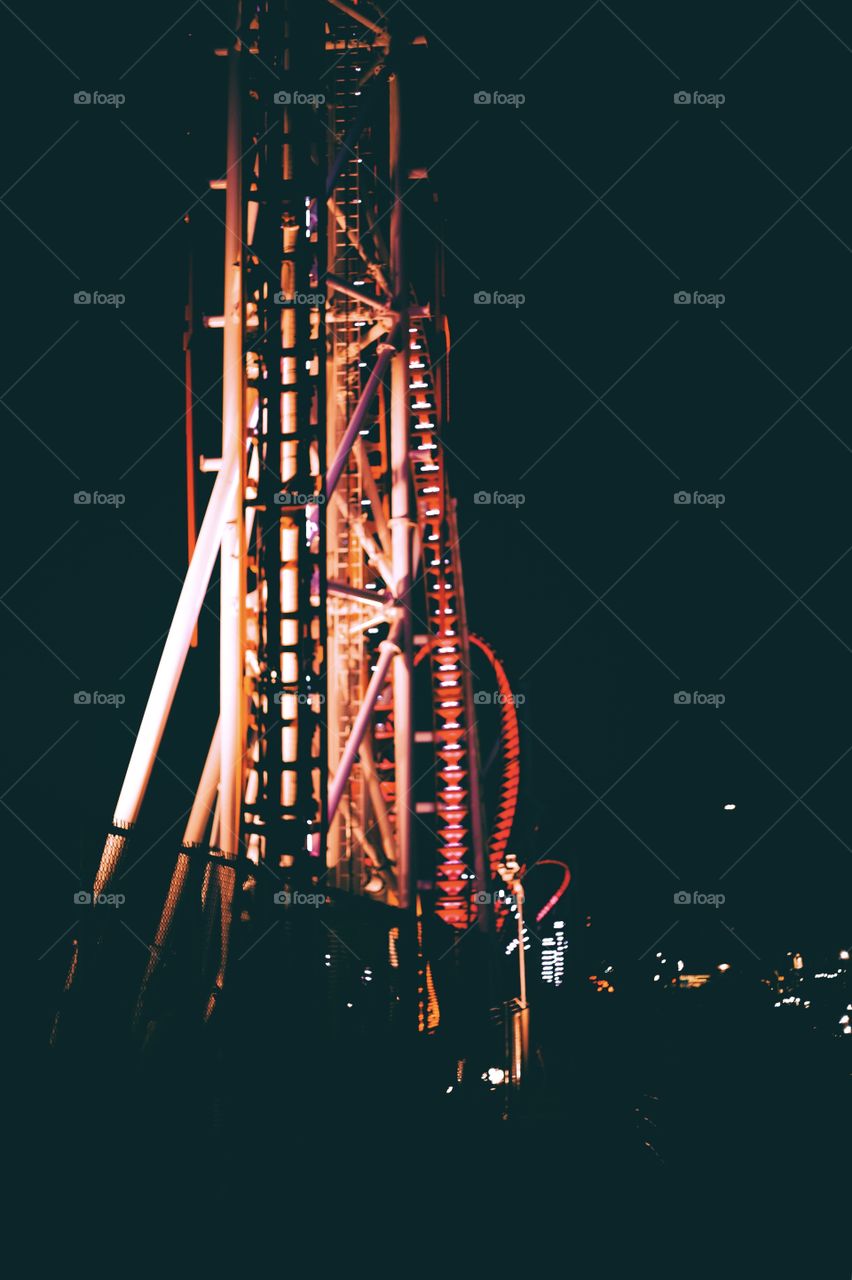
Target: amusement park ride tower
335,531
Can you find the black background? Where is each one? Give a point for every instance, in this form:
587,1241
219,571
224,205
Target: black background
691,194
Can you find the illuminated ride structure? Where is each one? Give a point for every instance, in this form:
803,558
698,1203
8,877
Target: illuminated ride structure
340,795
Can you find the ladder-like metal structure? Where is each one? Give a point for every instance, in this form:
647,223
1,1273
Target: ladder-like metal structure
335,529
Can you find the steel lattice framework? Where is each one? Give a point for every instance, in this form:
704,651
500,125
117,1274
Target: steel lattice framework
333,521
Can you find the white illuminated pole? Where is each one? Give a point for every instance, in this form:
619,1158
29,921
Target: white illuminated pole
518,891
168,673
401,525
233,577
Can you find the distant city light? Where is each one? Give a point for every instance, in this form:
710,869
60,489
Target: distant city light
723,968
844,955
553,955
730,806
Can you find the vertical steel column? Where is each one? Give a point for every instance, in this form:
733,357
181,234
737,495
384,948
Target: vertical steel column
233,572
401,523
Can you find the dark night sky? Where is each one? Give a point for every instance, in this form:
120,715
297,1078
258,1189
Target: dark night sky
597,199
